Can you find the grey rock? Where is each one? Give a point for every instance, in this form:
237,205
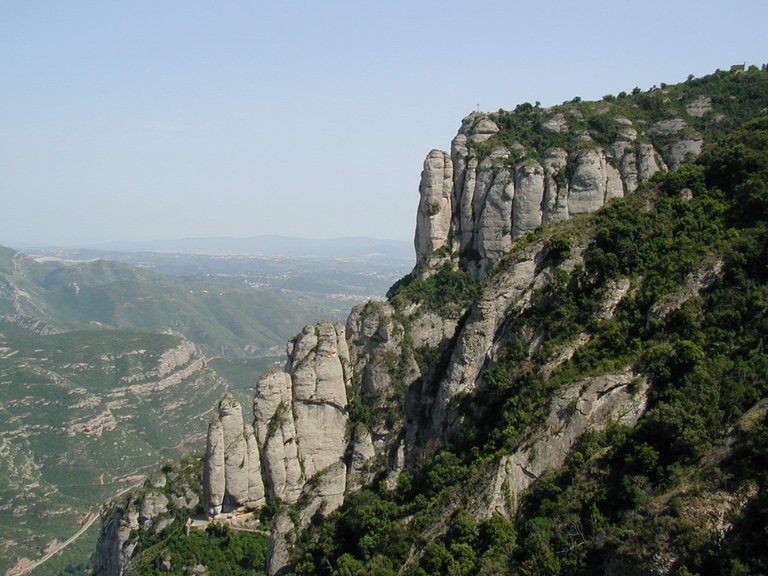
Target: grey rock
281,541
649,162
320,497
116,546
214,478
491,204
361,471
232,467
153,505
319,396
432,330
556,124
700,106
504,291
529,195
555,201
478,127
589,183
434,213
276,435
680,142
585,405
235,452
300,416
256,496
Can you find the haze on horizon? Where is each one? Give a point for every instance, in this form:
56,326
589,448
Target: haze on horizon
150,121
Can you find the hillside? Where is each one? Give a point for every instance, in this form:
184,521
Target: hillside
571,381
104,371
85,415
233,320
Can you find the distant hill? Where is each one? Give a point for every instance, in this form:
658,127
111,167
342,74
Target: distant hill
272,245
230,320
84,415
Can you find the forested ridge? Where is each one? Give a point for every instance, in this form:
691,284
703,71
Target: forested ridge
668,284
627,496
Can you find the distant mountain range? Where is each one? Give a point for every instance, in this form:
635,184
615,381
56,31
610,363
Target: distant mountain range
268,245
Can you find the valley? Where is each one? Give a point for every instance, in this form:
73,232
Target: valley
109,369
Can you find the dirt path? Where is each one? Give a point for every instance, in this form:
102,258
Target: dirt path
25,567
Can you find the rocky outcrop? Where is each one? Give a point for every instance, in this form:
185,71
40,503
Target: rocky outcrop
231,459
295,447
434,213
677,141
276,436
505,291
498,193
145,512
299,427
585,405
115,547
300,416
363,402
320,497
385,367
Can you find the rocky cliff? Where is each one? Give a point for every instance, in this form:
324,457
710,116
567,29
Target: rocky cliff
519,361
497,184
295,444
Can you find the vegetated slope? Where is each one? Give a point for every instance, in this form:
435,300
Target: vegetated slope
229,320
85,414
94,395
509,172
320,287
672,288
713,105
594,404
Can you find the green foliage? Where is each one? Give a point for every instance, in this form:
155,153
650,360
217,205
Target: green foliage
735,99
625,495
448,291
740,166
443,469
365,536
219,548
558,248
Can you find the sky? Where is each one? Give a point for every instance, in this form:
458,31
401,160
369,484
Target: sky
164,119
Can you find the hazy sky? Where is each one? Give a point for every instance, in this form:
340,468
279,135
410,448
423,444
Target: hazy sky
143,120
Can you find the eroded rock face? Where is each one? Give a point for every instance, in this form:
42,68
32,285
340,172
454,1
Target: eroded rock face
214,482
276,436
296,445
231,473
493,198
506,291
585,405
434,214
679,142
300,423
300,415
148,509
235,453
115,547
